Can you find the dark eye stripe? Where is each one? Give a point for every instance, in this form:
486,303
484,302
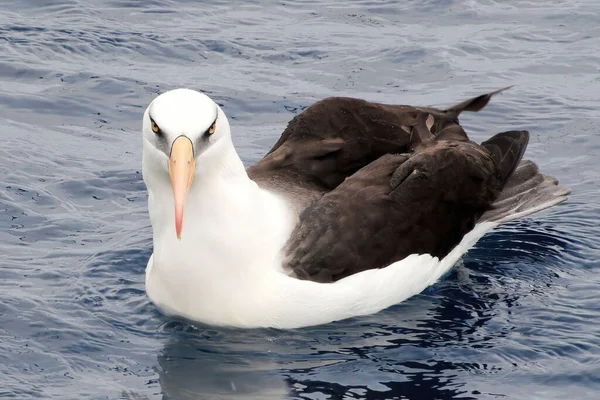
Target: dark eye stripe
211,129
155,128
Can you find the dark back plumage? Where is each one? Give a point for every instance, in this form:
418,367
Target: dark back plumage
374,183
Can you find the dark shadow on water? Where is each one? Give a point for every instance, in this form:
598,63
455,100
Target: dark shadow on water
218,364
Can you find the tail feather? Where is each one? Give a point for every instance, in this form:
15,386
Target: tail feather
527,191
526,176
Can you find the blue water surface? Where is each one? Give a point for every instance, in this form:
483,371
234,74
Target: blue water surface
518,317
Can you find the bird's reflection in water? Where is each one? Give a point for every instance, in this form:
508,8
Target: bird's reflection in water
226,364
413,350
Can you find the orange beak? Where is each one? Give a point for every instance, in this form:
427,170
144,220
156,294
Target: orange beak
181,172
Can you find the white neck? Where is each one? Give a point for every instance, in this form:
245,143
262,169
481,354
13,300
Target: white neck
221,162
221,199
232,229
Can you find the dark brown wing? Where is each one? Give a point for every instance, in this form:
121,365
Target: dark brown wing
423,203
337,136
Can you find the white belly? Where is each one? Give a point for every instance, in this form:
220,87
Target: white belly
259,294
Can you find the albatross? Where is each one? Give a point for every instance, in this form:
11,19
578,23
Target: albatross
357,207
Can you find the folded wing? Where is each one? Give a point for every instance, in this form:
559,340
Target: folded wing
373,183
337,136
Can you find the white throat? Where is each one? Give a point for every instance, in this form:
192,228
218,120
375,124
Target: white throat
233,233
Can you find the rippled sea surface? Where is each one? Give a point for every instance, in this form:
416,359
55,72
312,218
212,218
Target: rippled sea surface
517,318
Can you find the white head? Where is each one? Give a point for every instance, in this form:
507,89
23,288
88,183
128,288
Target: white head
179,128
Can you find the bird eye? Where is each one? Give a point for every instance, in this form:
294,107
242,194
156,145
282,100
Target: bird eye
212,128
155,127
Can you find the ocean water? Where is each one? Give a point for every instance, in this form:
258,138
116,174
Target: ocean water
517,318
